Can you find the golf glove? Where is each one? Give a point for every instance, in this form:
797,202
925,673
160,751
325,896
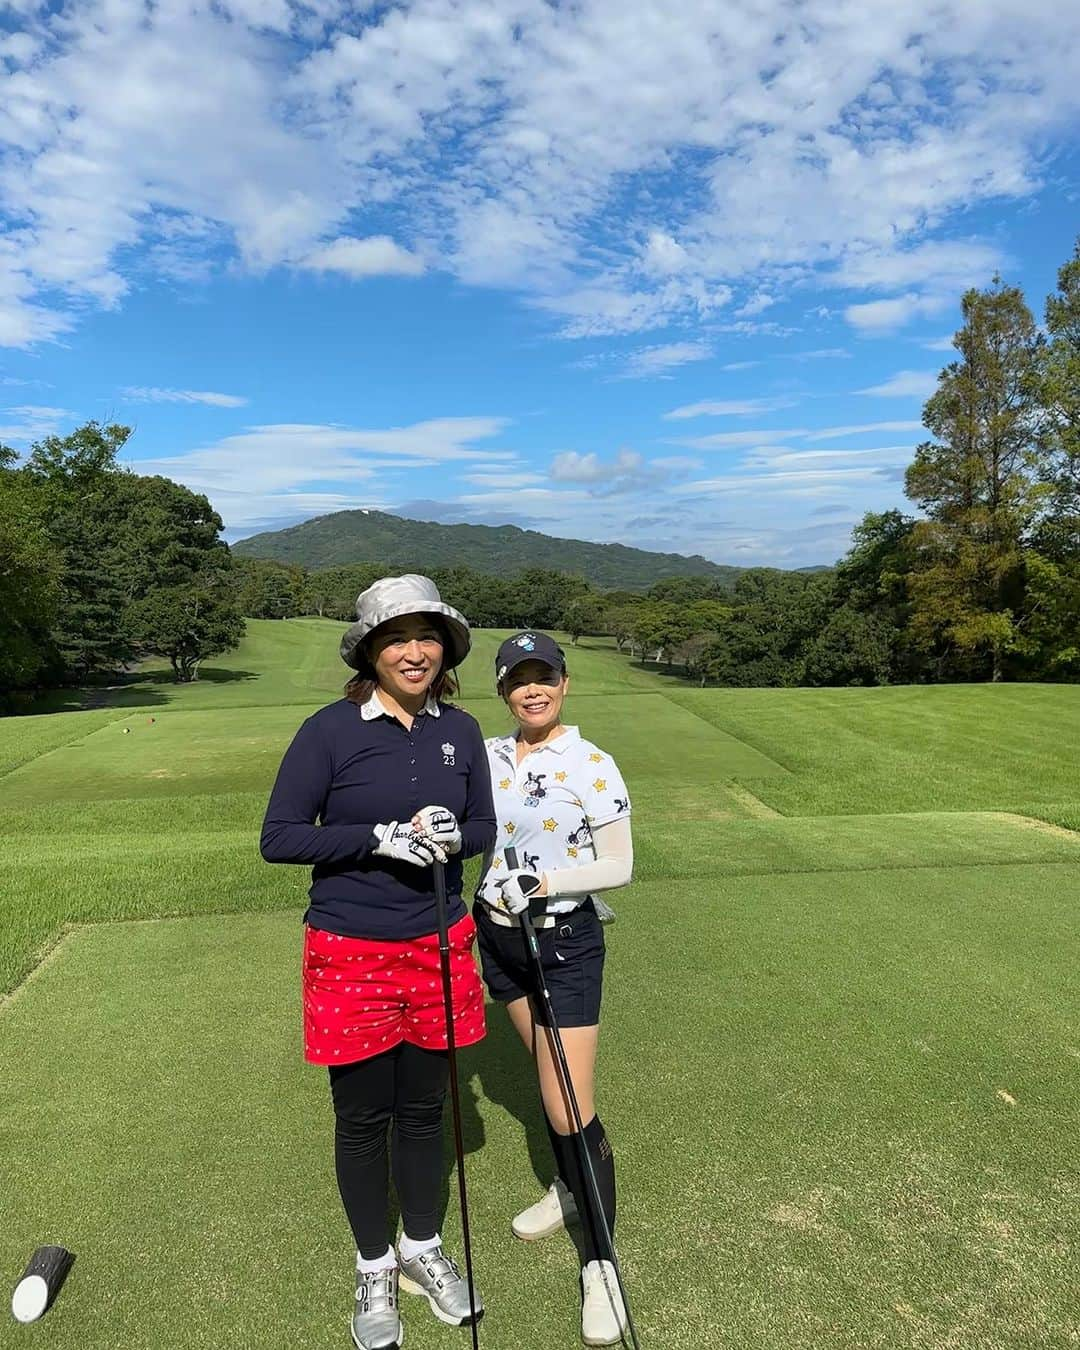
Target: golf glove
515,891
439,825
406,845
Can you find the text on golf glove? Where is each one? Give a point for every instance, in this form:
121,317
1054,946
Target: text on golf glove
516,890
406,845
439,825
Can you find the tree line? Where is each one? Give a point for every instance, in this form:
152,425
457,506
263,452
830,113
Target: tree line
100,567
984,584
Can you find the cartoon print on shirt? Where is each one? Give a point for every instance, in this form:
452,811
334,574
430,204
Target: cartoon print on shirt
531,861
582,835
534,789
622,804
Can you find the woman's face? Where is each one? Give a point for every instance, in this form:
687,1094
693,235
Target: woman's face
534,693
407,654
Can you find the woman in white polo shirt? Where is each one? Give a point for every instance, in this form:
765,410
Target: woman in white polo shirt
563,806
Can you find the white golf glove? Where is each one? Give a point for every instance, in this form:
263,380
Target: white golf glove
439,825
403,843
516,890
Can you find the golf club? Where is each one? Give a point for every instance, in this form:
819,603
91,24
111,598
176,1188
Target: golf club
566,1083
451,1048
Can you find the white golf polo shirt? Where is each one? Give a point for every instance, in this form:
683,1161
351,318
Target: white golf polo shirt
548,805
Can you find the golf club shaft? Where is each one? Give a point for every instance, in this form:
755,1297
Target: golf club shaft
451,1050
566,1082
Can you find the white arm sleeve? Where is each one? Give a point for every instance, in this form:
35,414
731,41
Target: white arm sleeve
614,865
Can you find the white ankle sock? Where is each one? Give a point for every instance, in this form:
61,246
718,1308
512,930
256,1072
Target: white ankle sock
387,1262
411,1248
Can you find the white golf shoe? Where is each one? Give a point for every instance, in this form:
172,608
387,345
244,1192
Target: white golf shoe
603,1313
547,1216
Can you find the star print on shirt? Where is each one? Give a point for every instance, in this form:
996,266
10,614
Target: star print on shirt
600,785
571,852
596,759
549,825
504,783
560,778
496,862
510,827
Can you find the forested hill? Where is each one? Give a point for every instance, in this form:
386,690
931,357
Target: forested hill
376,536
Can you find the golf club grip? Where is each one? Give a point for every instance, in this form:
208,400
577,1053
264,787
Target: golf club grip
455,1096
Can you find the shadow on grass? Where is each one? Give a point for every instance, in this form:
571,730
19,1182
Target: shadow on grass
500,1070
137,689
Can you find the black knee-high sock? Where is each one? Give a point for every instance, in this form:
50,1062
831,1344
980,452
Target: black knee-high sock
603,1161
559,1149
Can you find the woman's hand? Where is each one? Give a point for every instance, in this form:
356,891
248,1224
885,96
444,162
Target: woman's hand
404,844
517,889
440,826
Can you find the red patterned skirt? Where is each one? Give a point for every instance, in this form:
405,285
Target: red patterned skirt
362,996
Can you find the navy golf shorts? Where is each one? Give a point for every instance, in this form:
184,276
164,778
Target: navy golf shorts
572,955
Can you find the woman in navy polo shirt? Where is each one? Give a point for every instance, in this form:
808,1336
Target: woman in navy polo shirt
561,802
372,791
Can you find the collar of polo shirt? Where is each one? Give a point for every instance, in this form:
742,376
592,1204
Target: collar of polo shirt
571,736
374,707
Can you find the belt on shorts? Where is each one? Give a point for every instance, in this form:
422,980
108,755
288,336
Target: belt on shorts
510,920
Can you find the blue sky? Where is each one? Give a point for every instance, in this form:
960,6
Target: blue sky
675,275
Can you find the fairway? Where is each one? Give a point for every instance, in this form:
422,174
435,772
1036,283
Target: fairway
840,1058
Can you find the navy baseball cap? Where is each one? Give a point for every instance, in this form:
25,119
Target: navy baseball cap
528,647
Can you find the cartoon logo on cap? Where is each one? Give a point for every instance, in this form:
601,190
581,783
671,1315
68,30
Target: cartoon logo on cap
526,641
448,753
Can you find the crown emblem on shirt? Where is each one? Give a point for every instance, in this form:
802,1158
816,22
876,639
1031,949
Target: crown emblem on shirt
448,748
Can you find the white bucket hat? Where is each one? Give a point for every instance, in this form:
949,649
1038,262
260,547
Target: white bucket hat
392,597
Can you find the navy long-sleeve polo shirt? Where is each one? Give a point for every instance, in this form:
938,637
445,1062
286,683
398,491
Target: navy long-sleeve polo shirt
343,775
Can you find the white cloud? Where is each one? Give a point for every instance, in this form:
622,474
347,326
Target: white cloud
649,362
372,257
723,408
864,428
274,473
904,384
623,168
878,317
144,394
740,440
941,344
757,304
572,467
821,354
32,422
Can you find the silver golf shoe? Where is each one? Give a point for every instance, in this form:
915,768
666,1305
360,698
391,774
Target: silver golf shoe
436,1276
376,1324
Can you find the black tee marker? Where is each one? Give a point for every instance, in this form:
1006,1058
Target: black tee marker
40,1282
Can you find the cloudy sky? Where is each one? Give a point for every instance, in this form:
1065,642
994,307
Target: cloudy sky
679,275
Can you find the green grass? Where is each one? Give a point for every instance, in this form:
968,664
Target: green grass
840,1043
946,747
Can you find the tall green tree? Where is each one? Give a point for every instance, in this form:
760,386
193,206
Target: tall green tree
1059,398
977,482
29,585
184,601
85,515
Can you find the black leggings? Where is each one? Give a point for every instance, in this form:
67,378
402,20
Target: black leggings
408,1086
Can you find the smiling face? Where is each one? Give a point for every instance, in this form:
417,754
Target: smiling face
534,693
407,655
